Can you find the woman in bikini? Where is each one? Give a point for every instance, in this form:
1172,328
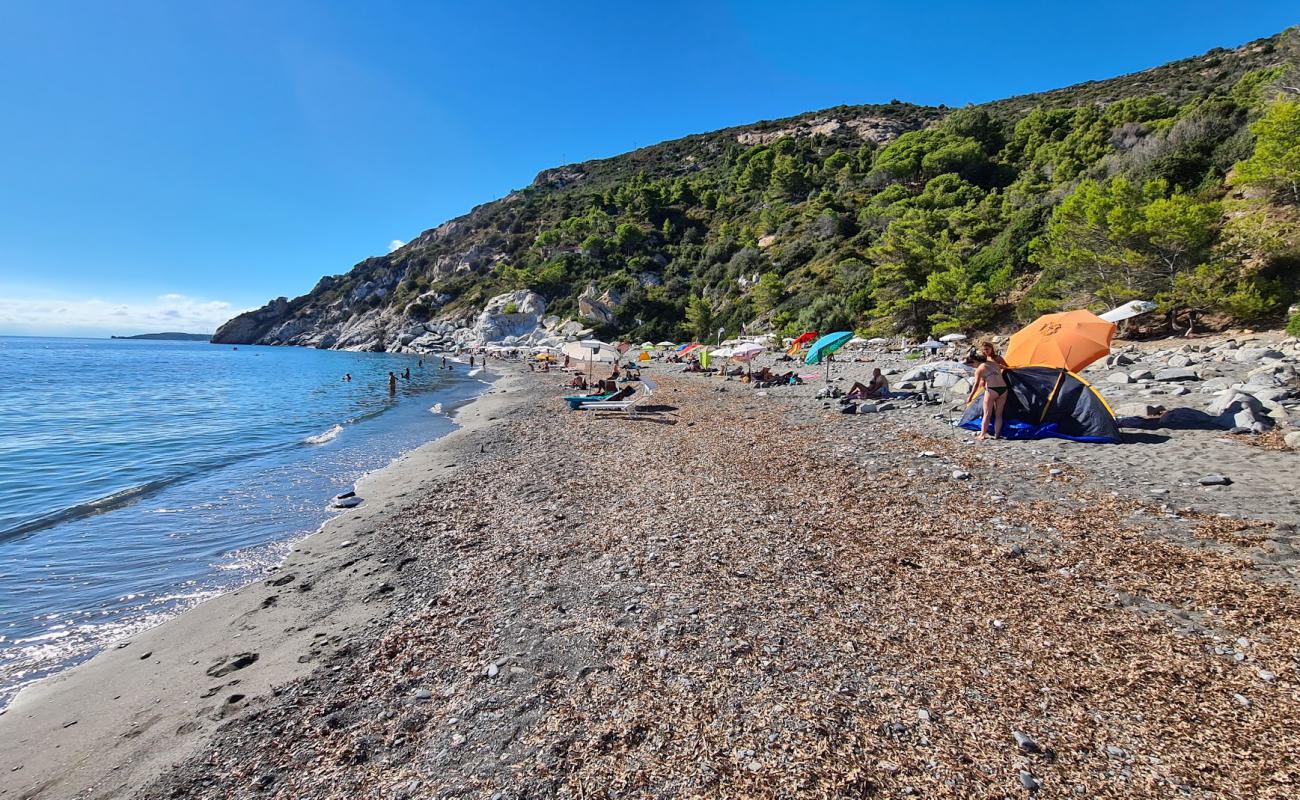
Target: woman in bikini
988,376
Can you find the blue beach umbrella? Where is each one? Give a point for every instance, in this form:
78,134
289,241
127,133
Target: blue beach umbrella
826,345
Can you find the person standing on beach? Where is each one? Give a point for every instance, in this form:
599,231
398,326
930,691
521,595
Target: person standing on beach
988,376
392,383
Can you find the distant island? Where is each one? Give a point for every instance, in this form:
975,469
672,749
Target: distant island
170,336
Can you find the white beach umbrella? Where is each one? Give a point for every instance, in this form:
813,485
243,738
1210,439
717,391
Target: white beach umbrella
591,351
953,337
666,344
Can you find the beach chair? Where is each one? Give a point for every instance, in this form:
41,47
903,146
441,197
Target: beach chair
627,406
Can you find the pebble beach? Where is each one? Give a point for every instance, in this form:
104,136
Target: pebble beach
740,592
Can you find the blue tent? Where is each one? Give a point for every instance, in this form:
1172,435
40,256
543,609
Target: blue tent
1049,402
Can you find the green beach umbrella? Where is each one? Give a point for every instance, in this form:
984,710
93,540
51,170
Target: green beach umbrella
826,345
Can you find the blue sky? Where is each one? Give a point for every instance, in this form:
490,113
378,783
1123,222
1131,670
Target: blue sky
164,165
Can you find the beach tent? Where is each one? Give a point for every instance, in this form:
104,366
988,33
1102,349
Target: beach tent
1069,340
1048,402
666,345
931,345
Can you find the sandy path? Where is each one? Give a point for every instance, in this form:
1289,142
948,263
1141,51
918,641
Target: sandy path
756,597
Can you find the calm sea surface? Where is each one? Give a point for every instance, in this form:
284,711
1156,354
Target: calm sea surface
138,478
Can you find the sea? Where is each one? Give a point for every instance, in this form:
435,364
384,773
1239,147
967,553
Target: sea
139,478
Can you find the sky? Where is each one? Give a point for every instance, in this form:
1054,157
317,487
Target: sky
166,165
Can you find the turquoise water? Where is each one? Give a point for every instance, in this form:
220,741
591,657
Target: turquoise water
138,478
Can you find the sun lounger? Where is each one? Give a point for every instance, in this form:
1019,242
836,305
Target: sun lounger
627,406
576,400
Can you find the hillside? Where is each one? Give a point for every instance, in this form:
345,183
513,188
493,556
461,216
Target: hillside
1177,184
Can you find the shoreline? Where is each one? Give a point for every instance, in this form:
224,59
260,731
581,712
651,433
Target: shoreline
745,592
108,726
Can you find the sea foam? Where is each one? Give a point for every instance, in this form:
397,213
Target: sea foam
322,438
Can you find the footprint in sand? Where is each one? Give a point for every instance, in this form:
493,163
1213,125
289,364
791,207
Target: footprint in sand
282,580
231,664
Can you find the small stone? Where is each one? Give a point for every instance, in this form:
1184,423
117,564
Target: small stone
492,670
929,454
423,694
1266,676
1241,700
960,475
923,715
346,543
1116,752
1029,781
1025,742
1215,480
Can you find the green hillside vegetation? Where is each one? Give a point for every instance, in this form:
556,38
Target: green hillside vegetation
1179,184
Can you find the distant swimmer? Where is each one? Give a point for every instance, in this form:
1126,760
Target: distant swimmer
471,360
347,377
444,363
406,374
421,364
392,383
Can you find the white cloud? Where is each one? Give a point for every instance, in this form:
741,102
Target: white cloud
396,243
169,312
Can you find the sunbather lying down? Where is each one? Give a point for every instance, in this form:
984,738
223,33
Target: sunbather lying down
762,380
878,387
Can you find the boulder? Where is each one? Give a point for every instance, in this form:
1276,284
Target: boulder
599,307
1141,375
1139,410
1119,377
1180,361
1239,410
1292,440
1176,374
1253,355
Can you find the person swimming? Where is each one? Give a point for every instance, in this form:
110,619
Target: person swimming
392,383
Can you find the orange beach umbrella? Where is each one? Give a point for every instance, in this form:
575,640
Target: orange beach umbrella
803,340
1069,340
